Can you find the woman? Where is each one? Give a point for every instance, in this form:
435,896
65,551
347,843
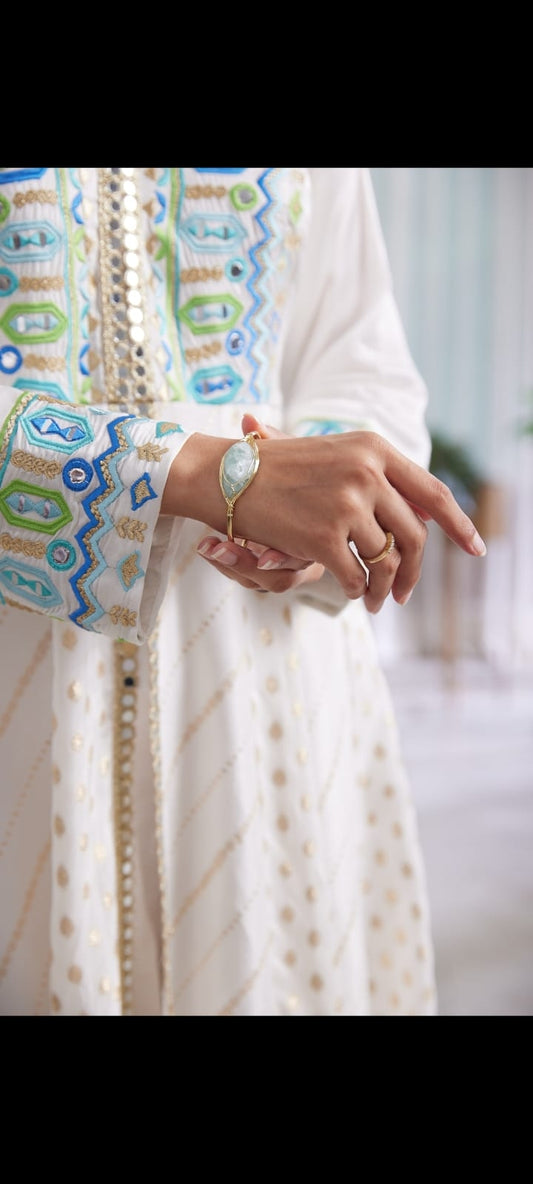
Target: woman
204,807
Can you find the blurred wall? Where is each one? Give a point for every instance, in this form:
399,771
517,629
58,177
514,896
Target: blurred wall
460,244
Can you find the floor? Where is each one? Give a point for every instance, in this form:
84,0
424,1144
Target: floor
468,744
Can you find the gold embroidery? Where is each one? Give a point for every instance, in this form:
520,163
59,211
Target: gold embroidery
23,795
235,921
28,901
127,366
124,716
11,423
207,350
130,570
199,275
142,491
155,752
195,191
129,528
150,451
344,939
25,679
219,776
220,858
233,1003
40,1006
37,362
11,542
123,616
35,464
41,283
213,702
45,196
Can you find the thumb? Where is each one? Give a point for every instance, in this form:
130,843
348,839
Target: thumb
249,423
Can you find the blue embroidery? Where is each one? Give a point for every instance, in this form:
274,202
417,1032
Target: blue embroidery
129,570
19,243
235,342
210,314
95,505
38,384
251,285
323,427
63,431
83,365
10,359
164,429
212,232
77,473
61,554
141,491
236,269
26,323
8,281
214,384
29,583
7,175
221,170
19,500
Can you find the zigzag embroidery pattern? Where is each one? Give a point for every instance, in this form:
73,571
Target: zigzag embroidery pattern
96,506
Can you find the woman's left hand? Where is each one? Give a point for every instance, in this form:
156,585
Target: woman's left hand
278,572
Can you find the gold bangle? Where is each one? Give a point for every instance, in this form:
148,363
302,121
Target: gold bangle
237,470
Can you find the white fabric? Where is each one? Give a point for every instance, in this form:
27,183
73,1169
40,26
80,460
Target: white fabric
276,867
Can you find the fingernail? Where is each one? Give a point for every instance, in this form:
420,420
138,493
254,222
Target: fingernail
270,564
204,548
404,599
478,546
223,555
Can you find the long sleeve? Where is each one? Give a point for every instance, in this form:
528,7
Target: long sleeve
347,364
81,534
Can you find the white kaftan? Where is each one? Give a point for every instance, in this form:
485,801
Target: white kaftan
203,805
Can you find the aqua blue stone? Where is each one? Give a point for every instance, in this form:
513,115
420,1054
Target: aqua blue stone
237,468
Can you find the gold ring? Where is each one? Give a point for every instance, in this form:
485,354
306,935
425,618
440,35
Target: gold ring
389,544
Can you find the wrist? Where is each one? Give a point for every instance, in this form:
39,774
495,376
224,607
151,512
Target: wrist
192,489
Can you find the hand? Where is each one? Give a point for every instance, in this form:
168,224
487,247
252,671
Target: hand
384,492
316,498
278,572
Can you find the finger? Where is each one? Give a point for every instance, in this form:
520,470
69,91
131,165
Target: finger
405,561
238,565
249,423
421,513
381,574
433,496
250,558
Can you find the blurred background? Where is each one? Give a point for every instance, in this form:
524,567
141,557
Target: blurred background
459,656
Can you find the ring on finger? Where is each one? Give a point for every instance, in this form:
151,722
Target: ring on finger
389,544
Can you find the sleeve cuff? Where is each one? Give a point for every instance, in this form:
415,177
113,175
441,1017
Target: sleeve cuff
81,536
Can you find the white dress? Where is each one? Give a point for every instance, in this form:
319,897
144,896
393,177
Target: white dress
204,809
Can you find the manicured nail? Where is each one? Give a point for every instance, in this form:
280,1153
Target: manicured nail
204,548
225,556
270,564
478,546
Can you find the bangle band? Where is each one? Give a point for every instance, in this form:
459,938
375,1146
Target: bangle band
237,470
